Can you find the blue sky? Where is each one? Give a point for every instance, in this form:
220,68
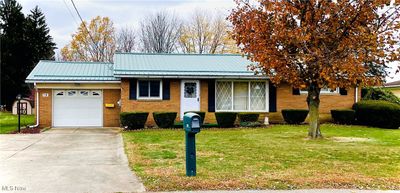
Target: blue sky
63,21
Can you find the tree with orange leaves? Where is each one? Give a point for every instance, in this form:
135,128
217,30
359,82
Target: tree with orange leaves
92,42
315,44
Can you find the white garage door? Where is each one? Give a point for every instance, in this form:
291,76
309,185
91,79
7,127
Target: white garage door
77,108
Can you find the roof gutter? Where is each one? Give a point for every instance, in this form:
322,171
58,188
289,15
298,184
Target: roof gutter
391,86
72,81
192,77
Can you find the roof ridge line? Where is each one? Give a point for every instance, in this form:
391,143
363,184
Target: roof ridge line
75,62
176,54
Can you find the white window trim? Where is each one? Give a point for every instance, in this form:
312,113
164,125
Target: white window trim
323,92
149,98
249,102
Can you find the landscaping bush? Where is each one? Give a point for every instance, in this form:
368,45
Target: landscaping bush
133,120
343,116
165,119
379,94
378,113
225,119
202,114
248,117
294,116
251,124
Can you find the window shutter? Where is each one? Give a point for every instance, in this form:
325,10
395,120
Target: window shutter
132,89
342,91
295,91
166,89
211,96
272,97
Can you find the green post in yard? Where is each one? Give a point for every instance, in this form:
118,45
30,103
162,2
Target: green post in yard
191,125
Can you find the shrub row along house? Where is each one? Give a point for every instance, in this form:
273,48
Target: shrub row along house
84,94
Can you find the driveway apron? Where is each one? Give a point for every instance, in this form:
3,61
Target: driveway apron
66,160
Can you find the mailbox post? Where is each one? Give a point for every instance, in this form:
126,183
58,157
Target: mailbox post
191,125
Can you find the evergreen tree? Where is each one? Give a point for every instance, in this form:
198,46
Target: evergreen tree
24,41
40,42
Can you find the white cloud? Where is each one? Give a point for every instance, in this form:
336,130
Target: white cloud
63,21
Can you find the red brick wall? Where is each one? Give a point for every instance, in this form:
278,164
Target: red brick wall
286,100
45,107
111,114
173,104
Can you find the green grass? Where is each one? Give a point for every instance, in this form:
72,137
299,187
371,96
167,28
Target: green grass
9,122
277,157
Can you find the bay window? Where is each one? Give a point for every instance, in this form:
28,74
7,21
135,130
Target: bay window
241,95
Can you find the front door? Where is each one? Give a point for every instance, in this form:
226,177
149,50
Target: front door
190,96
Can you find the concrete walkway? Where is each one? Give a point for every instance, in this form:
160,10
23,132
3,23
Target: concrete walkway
66,160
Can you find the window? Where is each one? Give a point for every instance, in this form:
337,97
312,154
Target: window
84,93
257,96
149,89
71,93
190,90
223,95
241,96
59,93
96,93
323,91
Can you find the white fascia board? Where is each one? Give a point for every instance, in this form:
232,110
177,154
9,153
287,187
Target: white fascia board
191,77
72,81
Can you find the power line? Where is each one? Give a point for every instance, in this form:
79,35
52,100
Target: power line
84,25
70,12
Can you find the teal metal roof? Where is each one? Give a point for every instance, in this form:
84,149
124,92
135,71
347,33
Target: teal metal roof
168,65
71,71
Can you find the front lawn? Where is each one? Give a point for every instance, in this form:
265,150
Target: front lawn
9,122
277,157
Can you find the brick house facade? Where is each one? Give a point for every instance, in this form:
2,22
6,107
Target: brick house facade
94,94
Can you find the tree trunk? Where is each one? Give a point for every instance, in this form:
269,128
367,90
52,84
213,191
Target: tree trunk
314,131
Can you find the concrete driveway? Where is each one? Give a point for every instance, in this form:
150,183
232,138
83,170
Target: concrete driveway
66,160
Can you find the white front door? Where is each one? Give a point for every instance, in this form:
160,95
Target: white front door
190,96
77,108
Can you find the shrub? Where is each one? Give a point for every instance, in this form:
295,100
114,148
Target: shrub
343,116
248,117
251,124
202,114
378,113
294,116
225,119
379,94
133,120
164,119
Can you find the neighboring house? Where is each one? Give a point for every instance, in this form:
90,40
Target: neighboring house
26,107
394,87
83,94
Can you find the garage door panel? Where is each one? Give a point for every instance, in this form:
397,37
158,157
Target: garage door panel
80,108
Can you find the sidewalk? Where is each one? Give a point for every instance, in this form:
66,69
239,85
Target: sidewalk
294,191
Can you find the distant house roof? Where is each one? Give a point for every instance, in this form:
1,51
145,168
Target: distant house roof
393,84
181,65
71,71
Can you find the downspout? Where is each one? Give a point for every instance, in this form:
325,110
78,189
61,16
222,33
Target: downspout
37,107
356,97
